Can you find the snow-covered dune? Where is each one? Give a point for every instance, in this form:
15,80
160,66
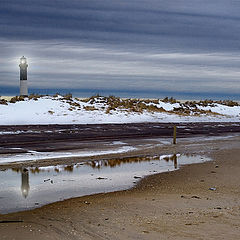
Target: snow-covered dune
65,110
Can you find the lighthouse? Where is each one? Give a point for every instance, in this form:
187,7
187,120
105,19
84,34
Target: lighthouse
23,77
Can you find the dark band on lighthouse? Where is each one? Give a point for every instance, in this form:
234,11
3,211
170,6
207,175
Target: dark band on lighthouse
23,76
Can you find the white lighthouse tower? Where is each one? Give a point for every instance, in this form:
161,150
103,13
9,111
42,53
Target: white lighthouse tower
23,77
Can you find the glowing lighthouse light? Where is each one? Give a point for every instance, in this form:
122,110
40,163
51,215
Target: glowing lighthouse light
23,60
23,76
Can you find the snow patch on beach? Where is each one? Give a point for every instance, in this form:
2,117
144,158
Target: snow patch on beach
34,155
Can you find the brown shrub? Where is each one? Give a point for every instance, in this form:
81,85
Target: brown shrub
68,97
3,102
34,96
228,103
169,100
16,99
56,95
90,108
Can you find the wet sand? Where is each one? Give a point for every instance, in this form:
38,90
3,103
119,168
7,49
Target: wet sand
174,205
53,138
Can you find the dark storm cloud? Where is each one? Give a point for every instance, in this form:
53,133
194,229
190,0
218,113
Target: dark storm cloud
149,22
180,45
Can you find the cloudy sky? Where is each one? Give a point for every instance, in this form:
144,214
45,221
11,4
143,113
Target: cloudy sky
136,47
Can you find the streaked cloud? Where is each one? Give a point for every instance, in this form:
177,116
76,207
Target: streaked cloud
154,45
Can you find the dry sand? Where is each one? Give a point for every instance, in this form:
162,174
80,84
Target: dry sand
8,98
174,205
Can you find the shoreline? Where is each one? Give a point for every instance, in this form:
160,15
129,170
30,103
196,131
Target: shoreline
154,147
171,205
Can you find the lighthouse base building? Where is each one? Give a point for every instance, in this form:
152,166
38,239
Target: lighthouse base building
23,88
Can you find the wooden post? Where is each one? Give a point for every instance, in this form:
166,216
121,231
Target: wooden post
174,134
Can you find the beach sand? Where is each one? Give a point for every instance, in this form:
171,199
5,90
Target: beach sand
172,205
8,98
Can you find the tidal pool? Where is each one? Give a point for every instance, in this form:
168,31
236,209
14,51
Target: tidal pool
28,188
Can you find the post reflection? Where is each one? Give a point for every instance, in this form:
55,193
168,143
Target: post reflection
175,161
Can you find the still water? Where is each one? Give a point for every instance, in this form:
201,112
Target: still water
22,189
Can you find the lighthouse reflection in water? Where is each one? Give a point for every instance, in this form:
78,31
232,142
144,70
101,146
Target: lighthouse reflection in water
25,183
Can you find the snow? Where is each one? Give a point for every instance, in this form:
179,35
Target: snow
225,110
56,110
118,143
168,106
19,132
34,156
162,157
